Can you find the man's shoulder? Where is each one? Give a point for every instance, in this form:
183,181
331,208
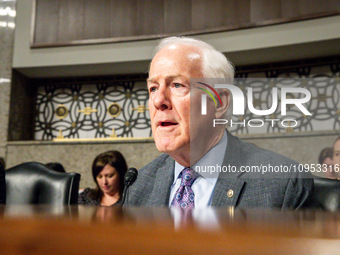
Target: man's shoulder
272,178
267,161
148,173
157,162
256,155
153,180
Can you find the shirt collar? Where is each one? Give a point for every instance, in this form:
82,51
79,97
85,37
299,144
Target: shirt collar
213,158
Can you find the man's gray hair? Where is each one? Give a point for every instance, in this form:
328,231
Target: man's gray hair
214,64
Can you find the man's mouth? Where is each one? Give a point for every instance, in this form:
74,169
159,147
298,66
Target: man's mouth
167,123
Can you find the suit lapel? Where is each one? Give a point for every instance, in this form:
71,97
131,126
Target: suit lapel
227,192
229,186
163,181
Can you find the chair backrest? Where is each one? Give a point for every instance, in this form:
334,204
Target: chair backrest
327,193
2,185
34,183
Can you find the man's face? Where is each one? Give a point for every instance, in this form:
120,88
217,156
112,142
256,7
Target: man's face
336,155
169,96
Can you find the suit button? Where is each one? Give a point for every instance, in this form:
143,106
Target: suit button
230,193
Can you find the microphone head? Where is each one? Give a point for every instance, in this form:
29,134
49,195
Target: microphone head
130,176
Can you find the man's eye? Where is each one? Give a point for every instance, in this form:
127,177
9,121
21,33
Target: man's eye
152,89
177,85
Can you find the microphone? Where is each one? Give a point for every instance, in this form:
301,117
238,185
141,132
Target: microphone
129,178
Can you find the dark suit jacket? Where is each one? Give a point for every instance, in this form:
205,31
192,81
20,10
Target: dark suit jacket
283,190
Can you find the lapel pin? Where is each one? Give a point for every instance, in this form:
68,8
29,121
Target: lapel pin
230,193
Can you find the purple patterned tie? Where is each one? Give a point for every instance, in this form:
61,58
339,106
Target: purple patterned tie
185,197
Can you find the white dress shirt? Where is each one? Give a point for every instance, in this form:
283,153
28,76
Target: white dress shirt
203,186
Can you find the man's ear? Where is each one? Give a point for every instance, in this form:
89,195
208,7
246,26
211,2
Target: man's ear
222,109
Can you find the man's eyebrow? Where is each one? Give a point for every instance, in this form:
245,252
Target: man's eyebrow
150,80
170,77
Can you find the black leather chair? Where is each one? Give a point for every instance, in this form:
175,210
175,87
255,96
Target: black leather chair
34,183
327,194
2,185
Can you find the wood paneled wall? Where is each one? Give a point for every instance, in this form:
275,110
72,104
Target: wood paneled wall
62,22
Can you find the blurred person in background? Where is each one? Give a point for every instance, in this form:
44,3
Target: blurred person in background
325,159
336,157
108,171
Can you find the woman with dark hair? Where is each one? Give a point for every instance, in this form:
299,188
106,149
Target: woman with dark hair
108,171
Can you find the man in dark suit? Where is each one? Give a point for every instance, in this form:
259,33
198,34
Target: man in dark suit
192,143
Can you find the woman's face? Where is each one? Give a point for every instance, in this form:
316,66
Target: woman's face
108,180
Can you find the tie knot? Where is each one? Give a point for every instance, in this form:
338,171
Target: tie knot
188,177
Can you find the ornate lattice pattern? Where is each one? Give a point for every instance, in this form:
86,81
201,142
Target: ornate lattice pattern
99,110
104,109
324,84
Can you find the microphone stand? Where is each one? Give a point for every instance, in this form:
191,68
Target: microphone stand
129,178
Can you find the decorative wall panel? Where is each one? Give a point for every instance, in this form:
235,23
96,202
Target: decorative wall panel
106,109
323,82
98,110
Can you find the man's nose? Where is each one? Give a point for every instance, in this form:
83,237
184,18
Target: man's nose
161,99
